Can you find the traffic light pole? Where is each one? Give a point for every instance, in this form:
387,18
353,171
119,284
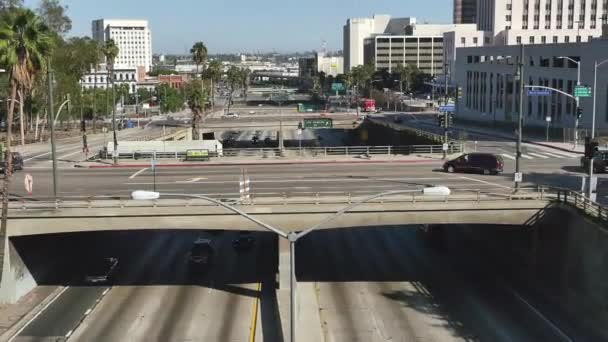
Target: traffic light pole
519,119
445,114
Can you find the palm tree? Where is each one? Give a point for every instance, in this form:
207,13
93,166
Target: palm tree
214,72
199,55
110,51
245,73
25,41
234,77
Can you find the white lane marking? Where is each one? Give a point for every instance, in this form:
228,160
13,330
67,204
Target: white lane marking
525,156
86,313
508,156
566,154
69,333
539,314
195,180
138,173
38,313
538,155
485,182
554,155
299,180
69,154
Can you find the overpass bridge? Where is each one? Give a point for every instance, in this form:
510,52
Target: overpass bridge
289,214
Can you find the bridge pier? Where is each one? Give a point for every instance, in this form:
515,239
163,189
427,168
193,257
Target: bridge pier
17,279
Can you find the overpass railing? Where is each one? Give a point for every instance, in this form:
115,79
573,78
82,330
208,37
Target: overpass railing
453,148
281,198
584,204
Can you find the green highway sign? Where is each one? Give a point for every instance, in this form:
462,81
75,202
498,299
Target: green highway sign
318,123
337,87
582,91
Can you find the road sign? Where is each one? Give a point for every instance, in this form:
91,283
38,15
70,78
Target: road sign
445,147
548,119
29,183
318,123
337,87
447,108
582,91
518,177
539,92
299,131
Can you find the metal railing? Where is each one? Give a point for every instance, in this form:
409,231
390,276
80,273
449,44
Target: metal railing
453,148
585,205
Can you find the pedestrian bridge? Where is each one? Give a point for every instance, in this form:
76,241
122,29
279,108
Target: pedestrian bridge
286,214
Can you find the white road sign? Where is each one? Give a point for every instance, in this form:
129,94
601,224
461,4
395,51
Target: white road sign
518,177
29,183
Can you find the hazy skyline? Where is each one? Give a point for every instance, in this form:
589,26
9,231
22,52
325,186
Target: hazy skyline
247,26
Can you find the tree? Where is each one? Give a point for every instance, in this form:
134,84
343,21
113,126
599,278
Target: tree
245,73
24,43
110,51
199,55
195,99
54,16
233,76
171,99
214,73
6,5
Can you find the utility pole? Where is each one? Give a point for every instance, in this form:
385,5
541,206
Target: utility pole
446,113
520,74
52,124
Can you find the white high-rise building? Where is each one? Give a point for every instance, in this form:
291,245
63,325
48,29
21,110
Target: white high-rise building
356,31
514,22
132,37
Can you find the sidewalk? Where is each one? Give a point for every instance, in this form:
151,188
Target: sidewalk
236,161
13,317
529,139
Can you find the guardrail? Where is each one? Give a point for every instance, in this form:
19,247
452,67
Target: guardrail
453,148
584,204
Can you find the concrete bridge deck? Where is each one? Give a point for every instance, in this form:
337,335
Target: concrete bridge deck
287,214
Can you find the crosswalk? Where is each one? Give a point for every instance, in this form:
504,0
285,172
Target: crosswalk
543,155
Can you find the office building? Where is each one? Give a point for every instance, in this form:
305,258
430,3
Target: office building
490,93
419,44
132,37
542,21
355,32
307,67
465,11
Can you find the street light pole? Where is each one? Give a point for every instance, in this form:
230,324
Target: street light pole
52,124
597,65
519,118
445,114
577,100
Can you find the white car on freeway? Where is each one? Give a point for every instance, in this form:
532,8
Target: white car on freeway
230,115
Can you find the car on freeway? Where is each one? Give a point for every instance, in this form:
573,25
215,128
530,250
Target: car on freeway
485,163
200,255
600,161
17,162
252,112
230,115
100,270
244,242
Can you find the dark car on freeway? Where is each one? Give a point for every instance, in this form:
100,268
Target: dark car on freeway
100,270
244,242
17,162
200,255
485,163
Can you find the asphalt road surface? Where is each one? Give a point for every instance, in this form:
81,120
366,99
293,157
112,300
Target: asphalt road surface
372,284
153,295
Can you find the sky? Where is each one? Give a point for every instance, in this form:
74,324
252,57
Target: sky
247,25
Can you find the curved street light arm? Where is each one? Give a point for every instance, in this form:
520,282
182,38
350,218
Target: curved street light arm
59,111
233,209
570,59
347,208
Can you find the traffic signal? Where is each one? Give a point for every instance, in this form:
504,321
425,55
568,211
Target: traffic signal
460,93
83,126
441,120
450,120
579,113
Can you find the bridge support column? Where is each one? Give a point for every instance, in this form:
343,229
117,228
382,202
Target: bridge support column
16,277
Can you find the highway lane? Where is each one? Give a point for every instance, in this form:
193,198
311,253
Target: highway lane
380,285
155,297
292,179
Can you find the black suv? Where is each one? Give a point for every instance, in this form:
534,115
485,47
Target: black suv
485,163
600,160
